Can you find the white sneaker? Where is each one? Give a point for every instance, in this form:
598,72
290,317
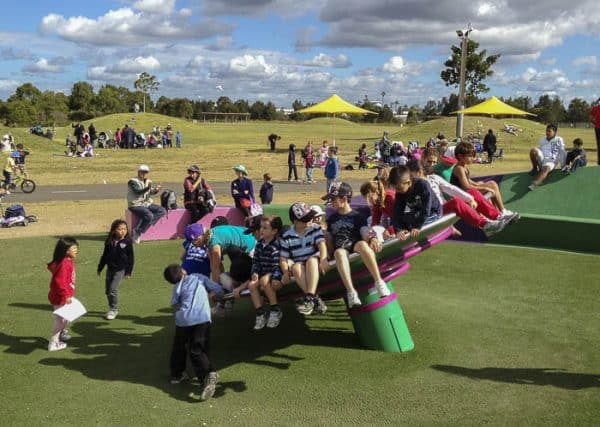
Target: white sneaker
208,388
64,335
136,238
274,318
508,217
382,288
353,299
111,314
261,322
56,345
492,227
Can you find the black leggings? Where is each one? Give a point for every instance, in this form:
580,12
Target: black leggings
292,168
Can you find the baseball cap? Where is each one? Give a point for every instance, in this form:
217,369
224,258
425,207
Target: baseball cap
254,225
317,210
193,231
219,220
193,168
300,211
143,168
338,189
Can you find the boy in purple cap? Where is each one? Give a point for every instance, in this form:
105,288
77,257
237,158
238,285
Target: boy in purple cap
194,259
347,232
302,253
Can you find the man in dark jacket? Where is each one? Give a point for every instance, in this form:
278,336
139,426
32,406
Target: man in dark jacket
489,145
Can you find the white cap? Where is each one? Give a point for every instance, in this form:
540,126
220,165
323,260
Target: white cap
318,210
143,168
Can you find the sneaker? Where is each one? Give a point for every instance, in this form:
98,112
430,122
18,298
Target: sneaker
508,217
492,227
319,306
111,314
56,345
353,299
218,310
228,306
531,187
64,335
7,192
180,378
274,318
306,307
382,288
135,237
261,321
208,388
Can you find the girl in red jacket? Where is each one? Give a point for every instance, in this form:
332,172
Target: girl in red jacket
62,287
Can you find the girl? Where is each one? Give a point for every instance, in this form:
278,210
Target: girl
323,154
62,288
266,274
118,257
309,161
381,200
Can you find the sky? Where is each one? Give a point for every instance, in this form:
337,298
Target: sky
282,50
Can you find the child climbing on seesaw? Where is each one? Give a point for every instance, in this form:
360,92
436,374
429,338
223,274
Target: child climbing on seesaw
347,232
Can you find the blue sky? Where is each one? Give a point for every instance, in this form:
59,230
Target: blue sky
281,50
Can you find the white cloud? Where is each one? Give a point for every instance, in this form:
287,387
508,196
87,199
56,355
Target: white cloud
42,66
250,65
327,61
162,7
394,65
585,61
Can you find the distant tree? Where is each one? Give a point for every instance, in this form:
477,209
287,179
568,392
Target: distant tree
386,114
242,106
26,92
224,105
413,115
478,68
450,105
578,111
522,103
52,107
82,97
257,110
297,105
181,107
21,113
110,100
549,109
270,112
146,83
431,109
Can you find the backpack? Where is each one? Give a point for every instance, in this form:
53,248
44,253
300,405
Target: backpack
168,200
14,211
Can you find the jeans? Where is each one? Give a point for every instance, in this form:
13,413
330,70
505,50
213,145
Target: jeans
113,280
147,216
197,340
309,174
576,164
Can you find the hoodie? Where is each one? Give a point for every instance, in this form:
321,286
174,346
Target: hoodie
62,284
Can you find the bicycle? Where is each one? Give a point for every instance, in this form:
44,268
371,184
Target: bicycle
27,185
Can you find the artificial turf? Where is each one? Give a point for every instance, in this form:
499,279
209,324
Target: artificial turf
503,336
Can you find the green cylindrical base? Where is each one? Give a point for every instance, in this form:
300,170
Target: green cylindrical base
380,325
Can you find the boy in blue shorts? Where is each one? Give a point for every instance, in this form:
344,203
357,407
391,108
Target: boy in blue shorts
303,254
347,232
191,296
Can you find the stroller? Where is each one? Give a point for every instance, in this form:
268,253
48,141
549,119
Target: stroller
139,141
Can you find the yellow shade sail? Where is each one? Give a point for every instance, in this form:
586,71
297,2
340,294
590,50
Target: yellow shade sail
493,106
334,105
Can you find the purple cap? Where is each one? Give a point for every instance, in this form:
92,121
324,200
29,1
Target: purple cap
193,231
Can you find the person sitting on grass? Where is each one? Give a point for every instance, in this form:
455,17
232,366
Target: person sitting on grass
347,232
461,177
303,253
482,215
576,157
266,273
191,295
416,205
544,158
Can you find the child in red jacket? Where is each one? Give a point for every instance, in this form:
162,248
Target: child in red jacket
62,287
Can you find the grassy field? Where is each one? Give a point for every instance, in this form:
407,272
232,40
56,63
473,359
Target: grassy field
216,147
497,343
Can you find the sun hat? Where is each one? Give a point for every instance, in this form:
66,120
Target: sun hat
193,231
143,168
240,168
194,168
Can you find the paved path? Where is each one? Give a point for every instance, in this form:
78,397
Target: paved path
46,193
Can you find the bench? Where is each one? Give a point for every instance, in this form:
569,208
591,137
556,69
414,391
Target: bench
172,225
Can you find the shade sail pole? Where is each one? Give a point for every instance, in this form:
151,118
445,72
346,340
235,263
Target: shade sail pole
334,129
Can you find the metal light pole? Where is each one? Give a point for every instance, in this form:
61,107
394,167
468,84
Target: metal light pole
464,36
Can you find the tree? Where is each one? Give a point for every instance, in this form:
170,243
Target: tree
578,111
82,96
550,109
146,83
20,112
431,109
110,100
450,104
26,92
478,68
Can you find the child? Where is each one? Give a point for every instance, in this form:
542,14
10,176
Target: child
118,257
415,205
266,273
309,163
347,232
178,139
303,252
465,152
292,163
331,167
9,168
323,154
266,190
362,157
20,161
62,288
192,326
381,200
194,259
576,157
544,158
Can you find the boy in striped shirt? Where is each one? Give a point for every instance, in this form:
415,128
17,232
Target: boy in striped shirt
303,253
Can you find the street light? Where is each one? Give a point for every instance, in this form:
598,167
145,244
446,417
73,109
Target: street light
464,36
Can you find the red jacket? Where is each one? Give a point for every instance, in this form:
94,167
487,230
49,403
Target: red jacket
377,211
62,284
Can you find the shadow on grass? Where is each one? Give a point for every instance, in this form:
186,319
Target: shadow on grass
530,376
136,349
519,186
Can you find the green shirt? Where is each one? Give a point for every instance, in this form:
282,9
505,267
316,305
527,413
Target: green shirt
231,237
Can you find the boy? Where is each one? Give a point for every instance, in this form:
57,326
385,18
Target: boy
192,326
20,161
302,252
347,232
331,167
576,157
415,204
543,159
266,190
9,168
194,259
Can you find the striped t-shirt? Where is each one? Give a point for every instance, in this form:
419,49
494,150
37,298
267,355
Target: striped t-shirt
300,248
266,257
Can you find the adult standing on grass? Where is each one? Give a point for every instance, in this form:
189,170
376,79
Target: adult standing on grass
273,138
595,119
139,190
242,190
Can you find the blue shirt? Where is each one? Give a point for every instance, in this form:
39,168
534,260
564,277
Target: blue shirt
191,295
196,259
331,168
300,248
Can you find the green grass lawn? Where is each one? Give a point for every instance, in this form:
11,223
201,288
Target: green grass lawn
503,336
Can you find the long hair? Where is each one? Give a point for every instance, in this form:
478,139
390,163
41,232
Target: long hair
374,186
61,248
113,227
